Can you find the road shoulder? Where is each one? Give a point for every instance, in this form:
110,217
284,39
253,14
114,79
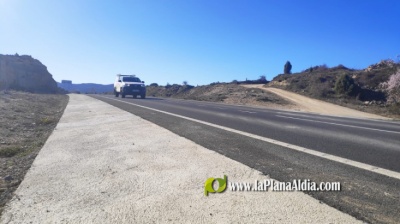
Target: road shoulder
105,165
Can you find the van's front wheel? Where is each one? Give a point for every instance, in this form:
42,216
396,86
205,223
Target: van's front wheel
122,92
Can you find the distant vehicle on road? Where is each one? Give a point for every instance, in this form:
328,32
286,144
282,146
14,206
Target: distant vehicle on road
129,85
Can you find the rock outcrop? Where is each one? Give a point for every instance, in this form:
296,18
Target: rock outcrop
381,64
25,73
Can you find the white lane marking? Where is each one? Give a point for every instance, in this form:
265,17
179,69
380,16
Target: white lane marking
220,108
345,125
334,117
338,159
246,111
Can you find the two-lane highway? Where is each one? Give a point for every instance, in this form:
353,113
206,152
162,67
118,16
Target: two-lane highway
368,141
290,145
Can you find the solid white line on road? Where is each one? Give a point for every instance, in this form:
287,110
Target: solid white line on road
338,159
345,125
335,117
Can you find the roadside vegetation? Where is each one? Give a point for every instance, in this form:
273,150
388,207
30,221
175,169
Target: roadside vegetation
374,89
26,121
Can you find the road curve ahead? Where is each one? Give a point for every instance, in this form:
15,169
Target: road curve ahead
374,143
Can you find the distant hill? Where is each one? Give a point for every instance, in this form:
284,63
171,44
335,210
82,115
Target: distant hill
86,87
25,73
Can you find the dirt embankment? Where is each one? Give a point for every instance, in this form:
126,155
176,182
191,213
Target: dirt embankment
226,93
362,90
256,95
307,104
26,121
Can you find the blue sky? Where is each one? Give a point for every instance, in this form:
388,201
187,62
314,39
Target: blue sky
197,41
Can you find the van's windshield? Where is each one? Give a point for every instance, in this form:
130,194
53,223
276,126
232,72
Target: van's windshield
130,79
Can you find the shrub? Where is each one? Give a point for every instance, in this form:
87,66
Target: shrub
262,79
345,85
154,84
318,68
340,66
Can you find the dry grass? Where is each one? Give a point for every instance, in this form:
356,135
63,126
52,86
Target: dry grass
26,122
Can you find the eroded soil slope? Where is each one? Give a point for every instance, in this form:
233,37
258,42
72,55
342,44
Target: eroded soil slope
308,104
226,93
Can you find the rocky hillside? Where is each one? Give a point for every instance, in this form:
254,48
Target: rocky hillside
357,89
25,73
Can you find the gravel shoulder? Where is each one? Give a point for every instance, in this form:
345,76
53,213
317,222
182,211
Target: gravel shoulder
306,104
104,165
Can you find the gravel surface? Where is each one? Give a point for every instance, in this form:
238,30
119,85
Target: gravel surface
105,165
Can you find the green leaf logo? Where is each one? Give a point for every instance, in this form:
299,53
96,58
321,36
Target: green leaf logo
208,185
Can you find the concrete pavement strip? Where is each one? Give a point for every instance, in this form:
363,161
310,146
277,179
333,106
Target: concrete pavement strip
104,165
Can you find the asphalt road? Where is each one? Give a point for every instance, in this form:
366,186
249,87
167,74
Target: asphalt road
373,142
366,195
